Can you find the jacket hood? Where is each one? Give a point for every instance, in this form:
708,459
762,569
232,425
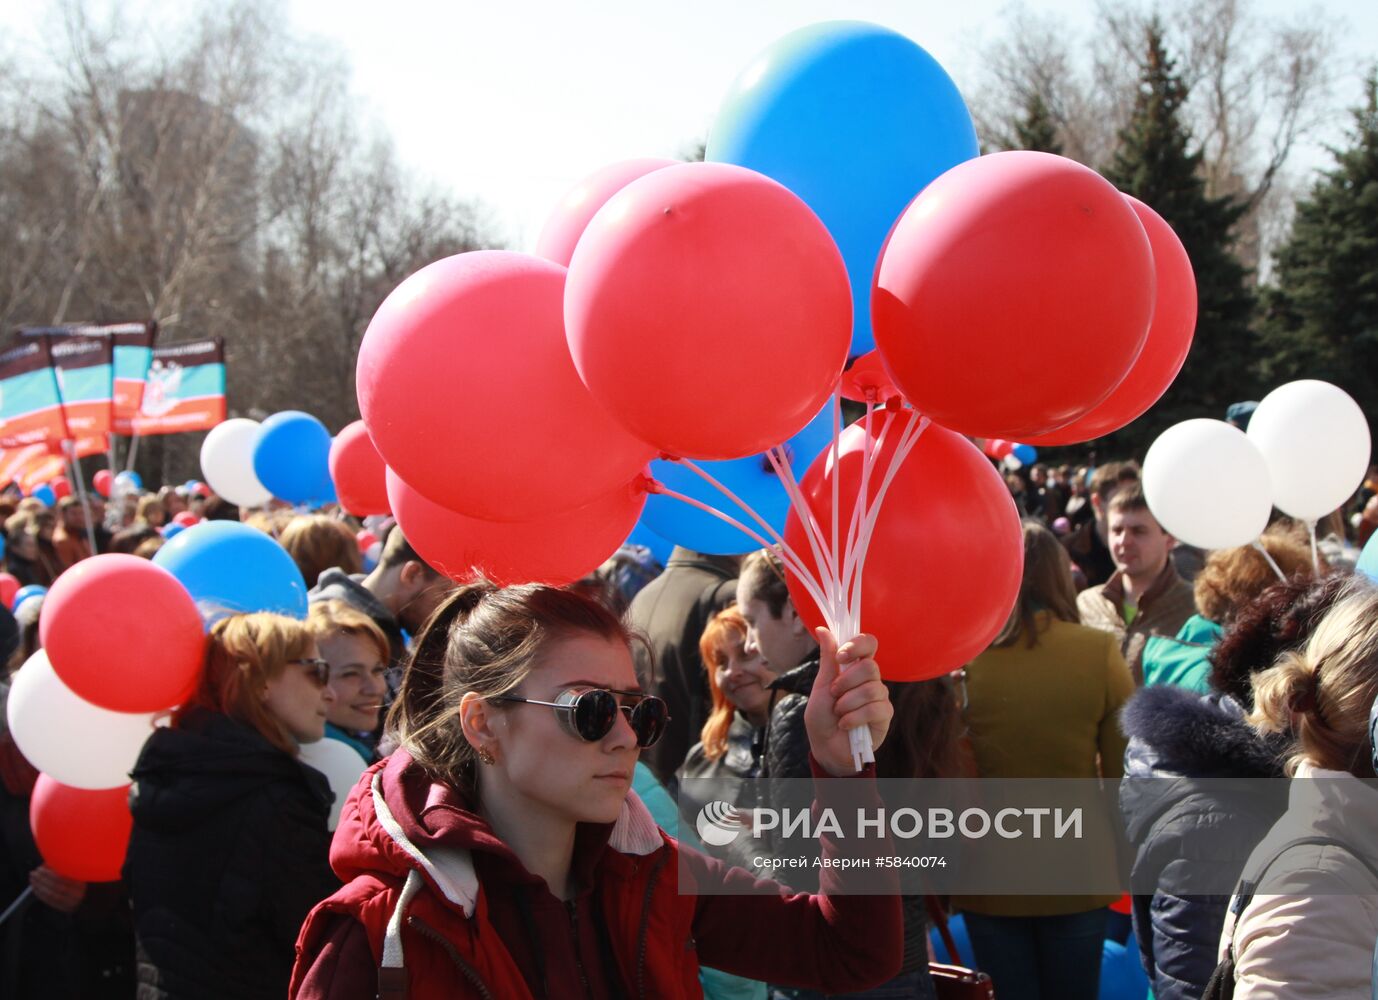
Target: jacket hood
207,764
337,585
399,824
1173,730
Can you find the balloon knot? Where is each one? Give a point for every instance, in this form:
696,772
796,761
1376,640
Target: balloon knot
893,404
651,485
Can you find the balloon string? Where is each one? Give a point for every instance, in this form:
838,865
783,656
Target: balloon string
1264,552
1315,556
827,565
790,557
908,440
708,477
18,902
836,477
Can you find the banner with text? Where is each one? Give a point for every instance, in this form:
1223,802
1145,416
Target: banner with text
30,402
185,389
85,370
132,348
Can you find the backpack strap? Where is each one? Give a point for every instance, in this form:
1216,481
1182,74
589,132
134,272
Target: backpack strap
1244,895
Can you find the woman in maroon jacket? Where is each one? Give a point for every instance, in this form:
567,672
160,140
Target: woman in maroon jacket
499,853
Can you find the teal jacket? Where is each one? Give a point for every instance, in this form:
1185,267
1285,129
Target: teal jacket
1183,659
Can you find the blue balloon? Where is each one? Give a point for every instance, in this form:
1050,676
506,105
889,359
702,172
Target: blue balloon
24,593
44,493
171,531
1026,453
2,546
856,120
231,568
132,478
1122,974
660,547
957,927
292,458
752,479
1368,559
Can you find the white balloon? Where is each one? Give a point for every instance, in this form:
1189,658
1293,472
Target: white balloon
341,765
227,462
1208,485
66,737
1315,440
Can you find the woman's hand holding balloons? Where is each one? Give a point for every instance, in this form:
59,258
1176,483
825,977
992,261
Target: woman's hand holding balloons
847,693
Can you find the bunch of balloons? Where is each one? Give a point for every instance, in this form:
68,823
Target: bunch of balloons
287,456
1214,486
699,317
83,705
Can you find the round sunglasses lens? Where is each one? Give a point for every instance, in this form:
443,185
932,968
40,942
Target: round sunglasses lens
594,712
648,721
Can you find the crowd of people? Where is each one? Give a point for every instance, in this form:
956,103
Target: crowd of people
516,831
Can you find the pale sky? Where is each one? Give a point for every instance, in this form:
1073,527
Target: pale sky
515,102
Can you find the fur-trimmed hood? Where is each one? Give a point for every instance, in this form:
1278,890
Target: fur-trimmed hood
1174,731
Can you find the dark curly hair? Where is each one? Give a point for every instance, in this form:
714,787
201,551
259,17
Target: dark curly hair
1281,619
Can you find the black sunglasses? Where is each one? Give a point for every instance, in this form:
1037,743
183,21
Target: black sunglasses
319,672
590,714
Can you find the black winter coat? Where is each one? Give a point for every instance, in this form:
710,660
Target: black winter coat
672,611
1183,832
228,854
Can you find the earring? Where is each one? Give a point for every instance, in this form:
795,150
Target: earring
486,756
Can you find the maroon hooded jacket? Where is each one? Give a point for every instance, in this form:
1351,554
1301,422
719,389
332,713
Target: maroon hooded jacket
434,905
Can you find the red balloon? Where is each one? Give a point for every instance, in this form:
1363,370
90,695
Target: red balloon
357,470
479,334
708,308
1165,350
556,549
368,539
571,217
1014,295
867,381
123,633
185,518
9,586
946,557
103,481
61,487
81,834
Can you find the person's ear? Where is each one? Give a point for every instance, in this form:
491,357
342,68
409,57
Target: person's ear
796,624
410,573
476,720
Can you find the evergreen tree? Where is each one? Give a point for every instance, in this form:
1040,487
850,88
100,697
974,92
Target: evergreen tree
1320,318
1154,165
1036,130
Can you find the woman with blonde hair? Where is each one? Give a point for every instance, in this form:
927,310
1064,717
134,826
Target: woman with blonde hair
1303,921
357,651
229,849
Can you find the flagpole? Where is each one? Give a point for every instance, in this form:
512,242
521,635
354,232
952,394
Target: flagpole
133,451
69,452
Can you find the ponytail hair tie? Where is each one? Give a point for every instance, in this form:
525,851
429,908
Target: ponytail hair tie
1307,700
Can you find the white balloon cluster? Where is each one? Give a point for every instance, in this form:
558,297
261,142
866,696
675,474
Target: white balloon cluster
1213,486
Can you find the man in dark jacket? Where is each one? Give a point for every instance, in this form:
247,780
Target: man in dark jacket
672,612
